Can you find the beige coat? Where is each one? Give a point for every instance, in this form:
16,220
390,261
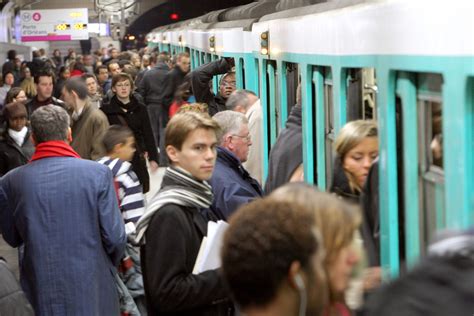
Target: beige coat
87,133
254,163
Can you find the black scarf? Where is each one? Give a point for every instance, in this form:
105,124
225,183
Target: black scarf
185,191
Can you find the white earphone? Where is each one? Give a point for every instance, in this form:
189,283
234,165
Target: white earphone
302,291
299,282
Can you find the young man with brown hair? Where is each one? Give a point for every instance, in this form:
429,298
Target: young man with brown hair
174,226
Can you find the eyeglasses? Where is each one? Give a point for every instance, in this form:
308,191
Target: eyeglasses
229,83
122,85
247,137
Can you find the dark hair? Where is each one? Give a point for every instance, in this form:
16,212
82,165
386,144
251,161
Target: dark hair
116,134
12,93
11,54
49,122
43,73
77,85
79,66
122,77
264,238
184,91
97,70
87,76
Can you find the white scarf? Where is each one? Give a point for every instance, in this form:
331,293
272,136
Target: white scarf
18,137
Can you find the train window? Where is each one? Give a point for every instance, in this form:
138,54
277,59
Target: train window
292,80
430,151
240,72
361,94
272,100
329,132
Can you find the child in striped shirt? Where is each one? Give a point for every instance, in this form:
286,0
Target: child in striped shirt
119,144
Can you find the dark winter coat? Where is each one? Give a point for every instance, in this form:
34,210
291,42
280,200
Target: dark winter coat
200,78
287,152
173,239
371,218
231,184
340,184
136,118
174,80
12,155
34,104
153,86
442,284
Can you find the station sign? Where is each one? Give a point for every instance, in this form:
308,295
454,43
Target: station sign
54,25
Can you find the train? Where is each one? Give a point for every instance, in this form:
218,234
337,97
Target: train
407,64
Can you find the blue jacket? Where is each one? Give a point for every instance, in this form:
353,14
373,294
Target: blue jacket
65,212
231,184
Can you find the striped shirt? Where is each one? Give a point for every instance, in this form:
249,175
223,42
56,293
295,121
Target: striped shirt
130,193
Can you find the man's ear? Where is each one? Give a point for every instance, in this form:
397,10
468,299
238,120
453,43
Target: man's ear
294,273
69,135
33,139
172,153
240,109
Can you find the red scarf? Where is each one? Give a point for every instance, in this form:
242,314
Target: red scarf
54,148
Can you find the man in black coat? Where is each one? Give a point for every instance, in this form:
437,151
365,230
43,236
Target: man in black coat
176,77
201,77
153,88
286,155
441,284
175,226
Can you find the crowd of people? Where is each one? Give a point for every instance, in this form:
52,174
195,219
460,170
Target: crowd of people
79,136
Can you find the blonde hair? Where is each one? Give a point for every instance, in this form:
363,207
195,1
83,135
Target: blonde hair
336,220
28,85
182,124
193,107
351,135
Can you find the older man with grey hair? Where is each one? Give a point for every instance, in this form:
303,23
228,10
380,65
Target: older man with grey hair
231,184
64,210
247,102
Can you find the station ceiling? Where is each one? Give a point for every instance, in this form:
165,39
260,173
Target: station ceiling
141,16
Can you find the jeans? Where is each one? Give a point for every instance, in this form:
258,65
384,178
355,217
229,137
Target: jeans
158,119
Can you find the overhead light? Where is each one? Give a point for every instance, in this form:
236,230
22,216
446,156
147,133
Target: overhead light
264,43
212,43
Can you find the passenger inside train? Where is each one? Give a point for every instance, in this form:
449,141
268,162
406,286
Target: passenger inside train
256,158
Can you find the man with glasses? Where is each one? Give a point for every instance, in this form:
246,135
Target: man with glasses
202,76
231,184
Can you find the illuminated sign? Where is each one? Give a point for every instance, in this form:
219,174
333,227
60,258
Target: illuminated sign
54,25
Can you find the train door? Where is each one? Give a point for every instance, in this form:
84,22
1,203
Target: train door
421,194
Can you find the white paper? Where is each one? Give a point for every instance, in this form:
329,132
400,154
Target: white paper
209,256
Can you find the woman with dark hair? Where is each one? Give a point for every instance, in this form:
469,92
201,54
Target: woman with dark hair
7,84
182,96
126,110
16,94
16,148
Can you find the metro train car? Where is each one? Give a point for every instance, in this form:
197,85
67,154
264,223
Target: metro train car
396,61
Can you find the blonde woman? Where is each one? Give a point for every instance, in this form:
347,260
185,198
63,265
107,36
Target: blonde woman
28,84
356,149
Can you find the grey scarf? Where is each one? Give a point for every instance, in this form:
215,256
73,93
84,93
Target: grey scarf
186,191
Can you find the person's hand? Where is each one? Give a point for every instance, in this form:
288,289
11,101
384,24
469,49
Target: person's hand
230,61
153,166
372,278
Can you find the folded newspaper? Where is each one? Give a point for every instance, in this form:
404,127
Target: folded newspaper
209,256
